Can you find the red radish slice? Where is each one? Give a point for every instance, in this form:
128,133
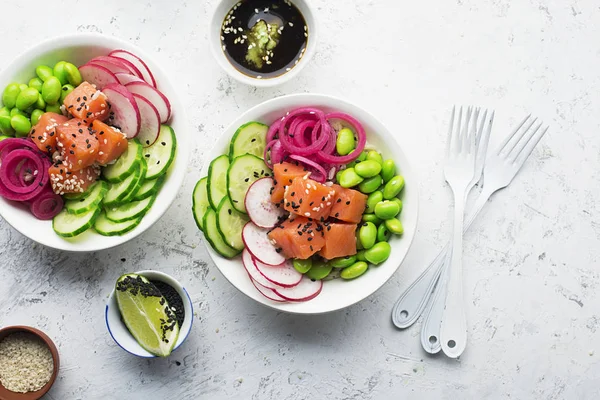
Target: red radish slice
259,245
125,78
268,293
125,112
111,64
306,290
97,75
259,206
132,68
284,275
149,121
146,74
254,273
155,97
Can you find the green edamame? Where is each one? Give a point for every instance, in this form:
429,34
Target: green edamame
51,90
5,127
338,176
342,262
393,187
66,89
368,168
375,156
345,142
36,83
9,96
399,202
349,178
40,104
43,72
386,209
383,234
360,256
55,108
35,116
371,218
359,245
22,86
2,137
26,98
362,156
16,111
372,200
395,226
388,170
319,270
370,185
302,266
73,74
59,72
367,235
354,271
20,124
4,112
378,253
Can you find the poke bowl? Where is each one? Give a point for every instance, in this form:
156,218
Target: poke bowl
131,101
296,257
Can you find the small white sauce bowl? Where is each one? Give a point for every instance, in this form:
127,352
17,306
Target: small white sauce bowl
214,37
118,330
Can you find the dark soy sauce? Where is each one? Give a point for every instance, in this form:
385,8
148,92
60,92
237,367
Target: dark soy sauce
264,38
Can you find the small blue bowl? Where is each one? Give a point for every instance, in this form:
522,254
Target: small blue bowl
118,330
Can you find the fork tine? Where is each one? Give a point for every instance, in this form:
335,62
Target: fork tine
450,130
474,136
513,133
526,151
456,135
519,146
486,136
464,134
517,139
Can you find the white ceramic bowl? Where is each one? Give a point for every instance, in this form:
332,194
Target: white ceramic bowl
336,294
119,332
78,49
214,37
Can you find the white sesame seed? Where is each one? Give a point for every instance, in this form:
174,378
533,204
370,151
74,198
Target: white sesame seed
290,24
307,214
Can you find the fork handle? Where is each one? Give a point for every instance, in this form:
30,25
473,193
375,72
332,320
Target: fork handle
432,317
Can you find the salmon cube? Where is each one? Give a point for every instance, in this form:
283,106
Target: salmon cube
112,142
43,133
64,180
309,198
283,175
77,143
298,237
348,205
87,103
340,240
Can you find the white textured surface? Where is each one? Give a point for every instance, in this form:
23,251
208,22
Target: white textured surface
531,259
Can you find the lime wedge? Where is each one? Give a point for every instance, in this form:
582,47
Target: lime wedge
147,314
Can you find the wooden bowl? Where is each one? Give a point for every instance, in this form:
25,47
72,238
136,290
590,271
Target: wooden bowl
7,394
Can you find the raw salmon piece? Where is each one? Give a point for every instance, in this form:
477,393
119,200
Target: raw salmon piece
64,180
348,205
43,133
87,103
112,142
309,199
77,143
340,240
283,175
298,237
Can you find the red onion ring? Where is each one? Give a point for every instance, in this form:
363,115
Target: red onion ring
360,146
12,168
284,135
318,174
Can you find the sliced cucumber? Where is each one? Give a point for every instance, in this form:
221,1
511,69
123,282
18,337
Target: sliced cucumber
161,154
214,237
69,225
200,202
106,227
139,182
126,164
217,180
118,191
129,211
250,138
149,188
242,173
230,223
92,199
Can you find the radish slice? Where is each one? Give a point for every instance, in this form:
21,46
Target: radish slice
125,78
149,122
259,245
146,74
97,75
254,273
154,96
306,290
284,275
268,293
259,206
124,111
133,70
113,65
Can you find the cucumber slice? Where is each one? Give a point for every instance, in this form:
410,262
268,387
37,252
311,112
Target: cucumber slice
250,138
70,225
118,191
217,180
161,154
214,237
230,223
129,211
242,173
200,202
149,188
139,182
106,227
126,164
91,200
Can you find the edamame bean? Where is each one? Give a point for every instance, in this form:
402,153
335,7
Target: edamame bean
4,112
383,234
5,126
388,170
371,218
338,175
36,83
66,89
21,125
345,142
2,137
319,270
73,74
302,266
26,98
55,108
362,156
378,253
370,185
40,104
43,72
395,226
386,209
372,200
342,262
35,116
16,111
349,178
359,245
368,168
22,86
367,234
360,256
399,202
59,72
375,156
393,187
354,271
51,90
9,96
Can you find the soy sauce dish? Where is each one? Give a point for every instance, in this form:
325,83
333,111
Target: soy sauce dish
263,42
